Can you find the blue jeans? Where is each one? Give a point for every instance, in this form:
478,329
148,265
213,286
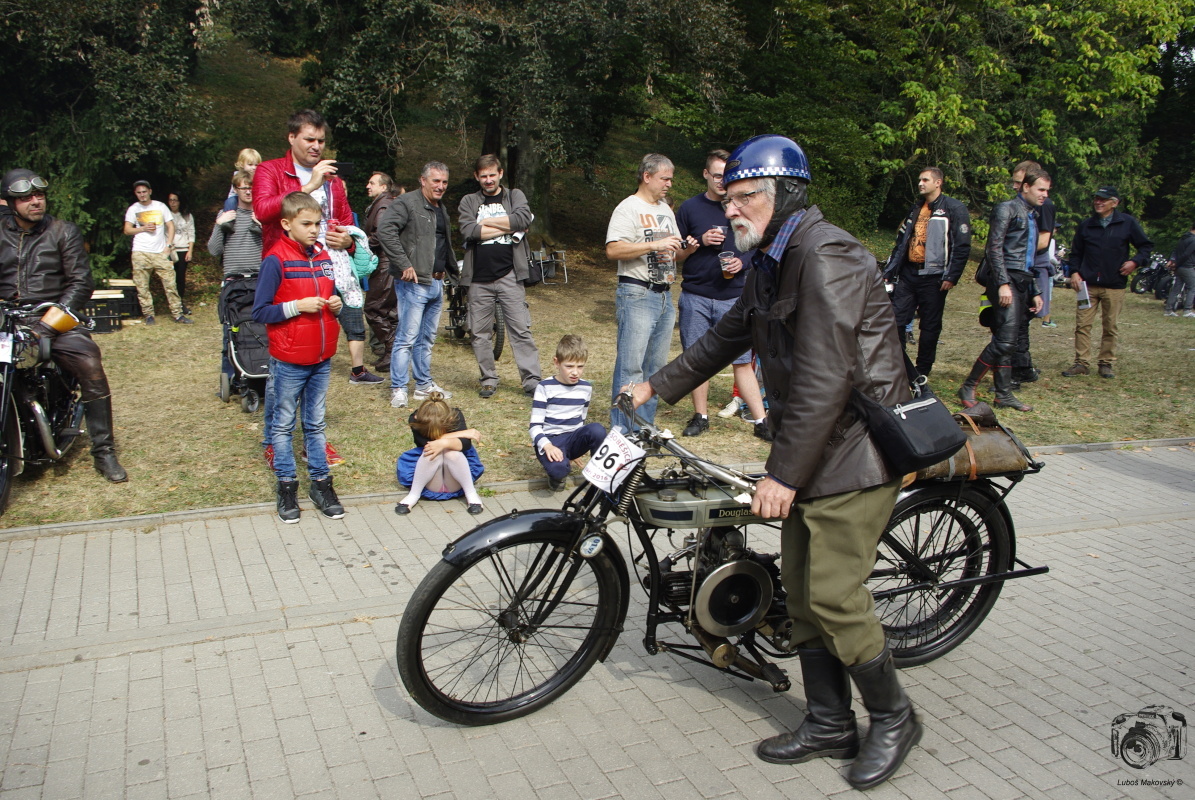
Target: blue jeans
418,318
292,382
645,320
573,444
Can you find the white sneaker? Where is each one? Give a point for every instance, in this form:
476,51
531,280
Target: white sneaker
732,408
398,398
1189,314
1173,314
422,394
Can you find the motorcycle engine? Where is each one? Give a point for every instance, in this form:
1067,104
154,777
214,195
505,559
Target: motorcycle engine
729,588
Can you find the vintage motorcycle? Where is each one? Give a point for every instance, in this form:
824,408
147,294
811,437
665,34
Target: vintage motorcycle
1153,277
522,606
40,410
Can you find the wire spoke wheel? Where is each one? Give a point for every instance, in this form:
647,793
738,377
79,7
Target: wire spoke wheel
936,541
506,634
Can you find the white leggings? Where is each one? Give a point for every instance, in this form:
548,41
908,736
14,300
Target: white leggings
446,472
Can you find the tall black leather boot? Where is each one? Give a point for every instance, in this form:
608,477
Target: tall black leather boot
829,729
894,729
1002,378
966,392
98,414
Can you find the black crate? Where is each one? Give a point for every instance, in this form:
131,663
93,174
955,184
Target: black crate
105,313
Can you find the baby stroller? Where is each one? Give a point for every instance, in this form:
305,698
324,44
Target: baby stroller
247,346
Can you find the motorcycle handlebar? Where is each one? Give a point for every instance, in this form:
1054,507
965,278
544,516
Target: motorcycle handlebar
664,439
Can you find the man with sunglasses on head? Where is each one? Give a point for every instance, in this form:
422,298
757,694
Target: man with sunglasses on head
42,260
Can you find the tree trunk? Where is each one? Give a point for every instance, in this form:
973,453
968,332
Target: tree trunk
529,172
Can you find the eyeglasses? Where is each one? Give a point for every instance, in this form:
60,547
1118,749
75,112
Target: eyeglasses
740,200
27,184
244,188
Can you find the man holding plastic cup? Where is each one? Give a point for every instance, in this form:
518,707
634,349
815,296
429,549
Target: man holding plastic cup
712,279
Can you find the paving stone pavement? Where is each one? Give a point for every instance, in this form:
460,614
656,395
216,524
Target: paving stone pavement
240,657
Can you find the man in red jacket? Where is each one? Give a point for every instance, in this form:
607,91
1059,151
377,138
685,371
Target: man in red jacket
302,169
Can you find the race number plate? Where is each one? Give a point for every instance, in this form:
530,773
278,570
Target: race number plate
5,348
612,462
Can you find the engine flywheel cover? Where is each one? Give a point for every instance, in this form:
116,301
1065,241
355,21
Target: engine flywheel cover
733,598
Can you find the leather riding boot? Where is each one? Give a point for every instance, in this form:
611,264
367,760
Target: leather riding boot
966,392
1002,377
829,729
894,728
98,414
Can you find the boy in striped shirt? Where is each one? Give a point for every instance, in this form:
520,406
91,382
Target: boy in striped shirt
558,412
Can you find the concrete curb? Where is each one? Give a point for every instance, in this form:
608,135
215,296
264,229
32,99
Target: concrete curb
505,487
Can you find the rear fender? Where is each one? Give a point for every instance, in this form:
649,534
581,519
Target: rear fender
541,525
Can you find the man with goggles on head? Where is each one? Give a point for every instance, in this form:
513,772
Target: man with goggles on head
42,260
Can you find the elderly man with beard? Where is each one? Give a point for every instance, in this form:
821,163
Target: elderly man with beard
815,310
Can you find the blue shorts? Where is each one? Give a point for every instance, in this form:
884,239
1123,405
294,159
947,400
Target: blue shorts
353,322
697,315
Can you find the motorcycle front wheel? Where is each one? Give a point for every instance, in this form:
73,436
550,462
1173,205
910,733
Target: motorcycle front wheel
508,633
1141,283
937,540
10,438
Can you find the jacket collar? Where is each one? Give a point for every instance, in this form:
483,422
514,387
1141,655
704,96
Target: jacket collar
294,249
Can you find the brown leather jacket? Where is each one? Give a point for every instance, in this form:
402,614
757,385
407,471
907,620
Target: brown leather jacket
822,325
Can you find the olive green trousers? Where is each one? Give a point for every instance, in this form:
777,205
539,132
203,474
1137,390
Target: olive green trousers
827,550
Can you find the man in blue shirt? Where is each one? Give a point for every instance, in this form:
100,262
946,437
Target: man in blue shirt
709,290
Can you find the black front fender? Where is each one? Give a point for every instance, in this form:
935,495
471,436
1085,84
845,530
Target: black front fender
539,525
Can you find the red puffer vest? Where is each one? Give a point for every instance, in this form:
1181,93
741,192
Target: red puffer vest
307,338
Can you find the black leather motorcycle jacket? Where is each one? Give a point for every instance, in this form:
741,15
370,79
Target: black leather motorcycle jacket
948,241
1008,242
45,264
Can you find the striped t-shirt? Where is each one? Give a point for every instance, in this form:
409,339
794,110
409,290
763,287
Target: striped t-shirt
558,408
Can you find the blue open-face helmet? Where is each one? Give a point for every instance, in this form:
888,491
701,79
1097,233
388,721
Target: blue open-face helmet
766,156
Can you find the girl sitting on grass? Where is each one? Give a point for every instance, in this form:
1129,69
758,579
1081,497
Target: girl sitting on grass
443,464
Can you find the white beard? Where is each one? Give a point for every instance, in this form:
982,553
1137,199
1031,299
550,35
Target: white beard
745,237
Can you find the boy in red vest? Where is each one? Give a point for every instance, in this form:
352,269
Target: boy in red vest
296,300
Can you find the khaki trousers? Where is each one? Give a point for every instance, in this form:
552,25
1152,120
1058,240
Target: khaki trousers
1108,302
145,265
827,550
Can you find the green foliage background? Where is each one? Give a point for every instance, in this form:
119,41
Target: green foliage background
101,93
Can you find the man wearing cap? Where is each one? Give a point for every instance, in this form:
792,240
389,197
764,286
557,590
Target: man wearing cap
815,310
151,225
1099,256
42,260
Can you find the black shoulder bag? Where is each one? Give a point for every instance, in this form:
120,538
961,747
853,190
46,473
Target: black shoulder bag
912,435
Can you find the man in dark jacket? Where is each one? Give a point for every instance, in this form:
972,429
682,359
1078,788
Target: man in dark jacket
1182,291
42,260
1099,257
417,238
381,303
815,310
1007,275
932,246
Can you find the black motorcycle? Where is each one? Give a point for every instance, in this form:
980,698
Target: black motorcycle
40,410
522,606
1153,277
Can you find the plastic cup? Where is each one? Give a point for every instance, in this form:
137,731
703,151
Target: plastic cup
724,258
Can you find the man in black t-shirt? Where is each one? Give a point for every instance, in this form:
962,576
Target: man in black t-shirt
494,223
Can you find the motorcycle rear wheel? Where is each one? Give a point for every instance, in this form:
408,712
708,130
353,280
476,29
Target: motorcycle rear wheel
471,649
957,536
1141,283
